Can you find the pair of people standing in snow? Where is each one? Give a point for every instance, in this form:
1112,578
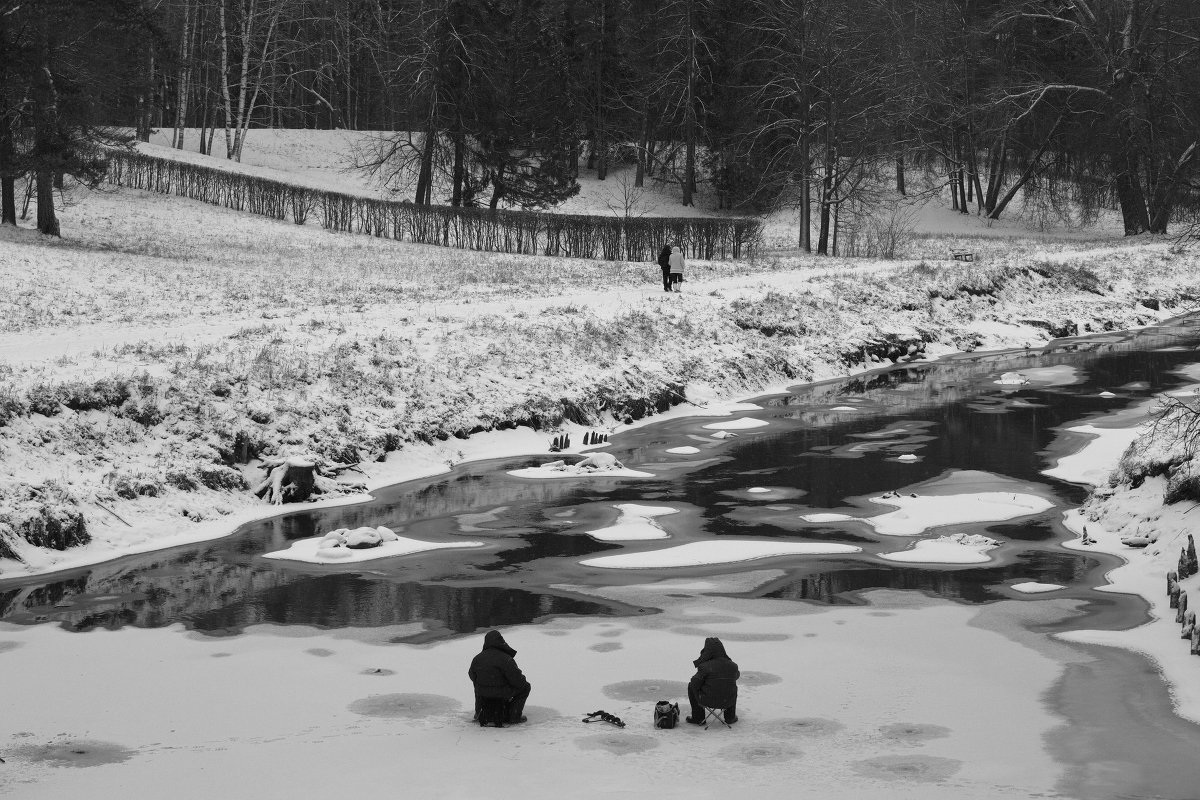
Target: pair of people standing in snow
499,682
670,259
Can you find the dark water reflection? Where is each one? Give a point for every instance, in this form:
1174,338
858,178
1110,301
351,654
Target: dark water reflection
950,414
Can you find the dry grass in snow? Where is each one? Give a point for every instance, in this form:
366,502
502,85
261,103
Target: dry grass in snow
162,339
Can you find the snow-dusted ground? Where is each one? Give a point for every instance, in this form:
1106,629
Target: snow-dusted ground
291,324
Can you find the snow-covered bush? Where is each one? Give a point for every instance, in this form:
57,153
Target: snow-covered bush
12,404
46,515
48,398
1183,484
220,477
774,314
130,485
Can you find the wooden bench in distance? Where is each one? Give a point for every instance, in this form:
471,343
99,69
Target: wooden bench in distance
962,255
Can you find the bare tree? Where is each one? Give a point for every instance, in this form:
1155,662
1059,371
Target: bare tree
1128,91
249,45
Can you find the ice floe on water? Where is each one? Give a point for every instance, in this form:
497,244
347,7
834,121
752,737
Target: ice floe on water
826,517
1012,379
1032,587
600,465
1092,463
741,423
685,450
699,554
915,515
1061,375
957,548
843,408
636,523
338,547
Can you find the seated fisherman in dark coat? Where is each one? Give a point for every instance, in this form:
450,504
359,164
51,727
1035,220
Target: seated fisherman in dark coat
715,683
497,677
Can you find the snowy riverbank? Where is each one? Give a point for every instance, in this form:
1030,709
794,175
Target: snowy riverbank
236,338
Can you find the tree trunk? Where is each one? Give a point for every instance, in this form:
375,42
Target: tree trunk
689,113
826,196
900,176
973,161
47,220
643,152
497,189
184,77
600,143
456,196
960,173
8,178
1165,192
997,167
953,184
1030,171
1129,194
805,176
224,80
833,250
145,98
46,150
424,193
8,181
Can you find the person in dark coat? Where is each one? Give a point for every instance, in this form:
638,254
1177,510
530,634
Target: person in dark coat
715,683
664,261
495,674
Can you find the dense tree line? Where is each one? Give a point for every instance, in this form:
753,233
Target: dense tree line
814,104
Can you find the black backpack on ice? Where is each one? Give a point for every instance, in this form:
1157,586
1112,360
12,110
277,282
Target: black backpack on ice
666,714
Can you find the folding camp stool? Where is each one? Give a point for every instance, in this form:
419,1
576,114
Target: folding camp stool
491,711
715,713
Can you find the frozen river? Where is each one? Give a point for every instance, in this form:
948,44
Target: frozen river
948,432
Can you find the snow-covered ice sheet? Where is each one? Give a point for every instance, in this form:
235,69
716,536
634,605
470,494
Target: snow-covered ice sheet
739,424
552,473
826,517
309,550
957,548
636,523
697,554
1033,587
1093,463
915,515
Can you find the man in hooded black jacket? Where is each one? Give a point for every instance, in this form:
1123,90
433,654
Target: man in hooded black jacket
495,673
664,261
715,683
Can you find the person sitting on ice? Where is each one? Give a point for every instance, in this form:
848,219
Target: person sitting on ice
496,677
715,683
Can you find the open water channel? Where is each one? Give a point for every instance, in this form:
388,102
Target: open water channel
827,448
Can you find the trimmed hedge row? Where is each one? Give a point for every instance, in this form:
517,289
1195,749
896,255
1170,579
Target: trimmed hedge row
504,231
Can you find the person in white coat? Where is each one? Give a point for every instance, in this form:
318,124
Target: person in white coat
676,268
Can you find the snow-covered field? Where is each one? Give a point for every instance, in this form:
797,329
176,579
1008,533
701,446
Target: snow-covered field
223,331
